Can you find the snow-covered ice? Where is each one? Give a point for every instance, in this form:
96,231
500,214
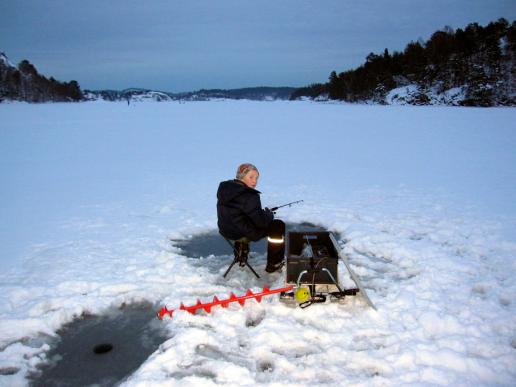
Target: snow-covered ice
424,199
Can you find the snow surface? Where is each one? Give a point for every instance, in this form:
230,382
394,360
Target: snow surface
5,60
423,198
410,94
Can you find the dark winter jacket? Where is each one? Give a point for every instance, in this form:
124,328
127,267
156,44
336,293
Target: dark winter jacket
240,212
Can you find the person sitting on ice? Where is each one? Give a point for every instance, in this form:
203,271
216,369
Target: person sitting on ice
241,217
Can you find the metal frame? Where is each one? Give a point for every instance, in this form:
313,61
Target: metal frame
240,258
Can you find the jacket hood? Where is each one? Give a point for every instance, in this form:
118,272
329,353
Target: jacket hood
230,189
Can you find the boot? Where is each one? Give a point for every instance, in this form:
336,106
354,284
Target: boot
242,251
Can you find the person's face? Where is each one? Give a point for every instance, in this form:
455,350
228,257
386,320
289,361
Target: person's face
251,178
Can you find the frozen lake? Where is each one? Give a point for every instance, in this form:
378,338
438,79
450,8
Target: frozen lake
92,195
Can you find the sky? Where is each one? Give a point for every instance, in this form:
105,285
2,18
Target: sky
184,45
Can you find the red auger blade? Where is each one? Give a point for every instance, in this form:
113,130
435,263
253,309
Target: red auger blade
164,311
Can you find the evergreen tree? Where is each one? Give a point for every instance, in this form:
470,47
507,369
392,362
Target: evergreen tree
334,87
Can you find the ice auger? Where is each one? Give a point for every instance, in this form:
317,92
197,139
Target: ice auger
164,311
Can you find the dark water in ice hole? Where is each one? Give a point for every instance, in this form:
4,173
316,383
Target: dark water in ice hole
212,243
103,350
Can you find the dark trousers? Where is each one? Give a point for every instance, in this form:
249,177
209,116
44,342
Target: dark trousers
276,242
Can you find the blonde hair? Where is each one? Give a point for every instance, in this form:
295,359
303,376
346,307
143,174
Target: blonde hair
244,169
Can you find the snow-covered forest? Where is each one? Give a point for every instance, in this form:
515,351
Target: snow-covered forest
470,66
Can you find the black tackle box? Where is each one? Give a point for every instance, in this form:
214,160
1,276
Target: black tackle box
311,251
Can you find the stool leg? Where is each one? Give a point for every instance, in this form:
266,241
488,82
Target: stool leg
251,268
241,253
229,268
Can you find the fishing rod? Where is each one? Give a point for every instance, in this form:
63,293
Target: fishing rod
285,205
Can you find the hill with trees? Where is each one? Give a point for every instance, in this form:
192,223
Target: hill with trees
249,93
474,66
24,83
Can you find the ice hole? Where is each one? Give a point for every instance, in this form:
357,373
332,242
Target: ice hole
102,349
9,371
212,243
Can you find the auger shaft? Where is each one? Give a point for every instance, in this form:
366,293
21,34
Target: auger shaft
224,303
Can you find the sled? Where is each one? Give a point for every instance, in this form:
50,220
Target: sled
312,265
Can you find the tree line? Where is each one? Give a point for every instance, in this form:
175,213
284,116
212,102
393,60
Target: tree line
479,59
